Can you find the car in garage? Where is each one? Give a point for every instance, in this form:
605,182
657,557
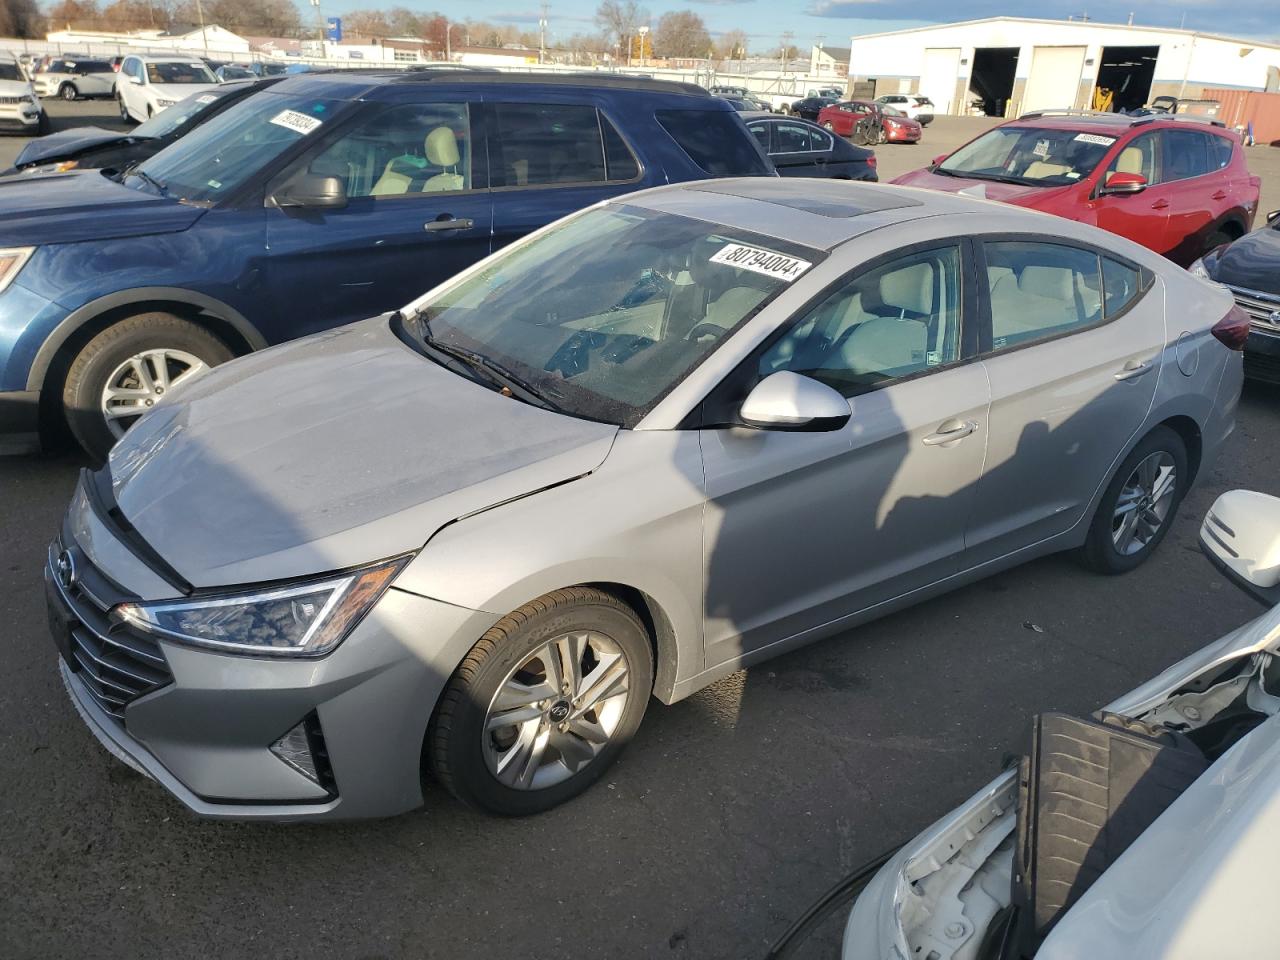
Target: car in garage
147,84
311,204
869,123
1177,184
1250,269
1148,829
656,442
96,148
71,79
799,148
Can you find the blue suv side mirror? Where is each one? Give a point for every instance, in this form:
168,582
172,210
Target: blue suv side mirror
311,190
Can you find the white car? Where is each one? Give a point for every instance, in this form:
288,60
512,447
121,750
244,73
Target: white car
148,84
71,79
916,107
20,110
1149,830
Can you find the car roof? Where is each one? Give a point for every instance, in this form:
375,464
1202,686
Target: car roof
359,82
1117,122
817,213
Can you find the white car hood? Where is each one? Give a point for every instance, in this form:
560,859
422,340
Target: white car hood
14,88
179,91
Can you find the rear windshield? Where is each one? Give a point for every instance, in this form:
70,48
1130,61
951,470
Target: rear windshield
716,141
1035,156
90,66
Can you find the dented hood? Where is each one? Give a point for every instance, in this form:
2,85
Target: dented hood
332,452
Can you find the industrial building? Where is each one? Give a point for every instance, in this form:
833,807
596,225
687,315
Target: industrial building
1004,66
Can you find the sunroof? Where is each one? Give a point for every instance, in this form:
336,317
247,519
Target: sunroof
826,198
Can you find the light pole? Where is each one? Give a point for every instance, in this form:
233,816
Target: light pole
319,26
204,34
644,32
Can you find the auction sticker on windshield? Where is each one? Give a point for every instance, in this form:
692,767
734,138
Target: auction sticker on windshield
758,260
295,121
1095,138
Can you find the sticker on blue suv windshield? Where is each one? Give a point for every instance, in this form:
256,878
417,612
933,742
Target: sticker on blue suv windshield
206,98
1095,138
757,260
297,122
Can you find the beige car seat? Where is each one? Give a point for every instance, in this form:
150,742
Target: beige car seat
892,344
441,149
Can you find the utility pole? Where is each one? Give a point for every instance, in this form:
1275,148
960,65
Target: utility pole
204,34
319,25
542,33
786,47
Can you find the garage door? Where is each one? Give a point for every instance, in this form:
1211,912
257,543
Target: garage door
1055,78
938,79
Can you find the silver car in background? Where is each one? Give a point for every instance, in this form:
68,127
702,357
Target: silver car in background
657,441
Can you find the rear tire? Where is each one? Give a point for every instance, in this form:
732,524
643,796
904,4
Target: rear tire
1217,239
1135,513
554,747
68,92
42,125
168,346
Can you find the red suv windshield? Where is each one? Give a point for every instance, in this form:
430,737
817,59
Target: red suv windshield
1035,156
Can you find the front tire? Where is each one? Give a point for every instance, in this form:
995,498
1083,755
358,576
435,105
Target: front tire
126,369
68,92
543,703
125,115
1138,507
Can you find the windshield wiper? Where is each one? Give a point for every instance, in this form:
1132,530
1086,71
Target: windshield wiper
494,372
148,178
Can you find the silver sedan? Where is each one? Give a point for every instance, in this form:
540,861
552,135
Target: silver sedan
658,441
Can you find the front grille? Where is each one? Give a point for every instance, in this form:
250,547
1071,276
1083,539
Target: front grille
116,663
10,101
1260,307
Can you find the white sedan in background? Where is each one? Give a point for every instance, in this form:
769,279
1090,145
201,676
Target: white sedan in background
146,85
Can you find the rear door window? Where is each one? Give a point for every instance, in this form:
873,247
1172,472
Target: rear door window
1121,284
1220,151
791,138
542,144
1186,154
1040,290
713,140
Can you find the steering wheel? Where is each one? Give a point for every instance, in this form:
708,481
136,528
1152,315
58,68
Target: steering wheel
706,329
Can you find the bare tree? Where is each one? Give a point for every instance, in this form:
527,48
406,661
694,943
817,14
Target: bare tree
137,14
366,23
681,33
82,14
619,20
20,18
732,45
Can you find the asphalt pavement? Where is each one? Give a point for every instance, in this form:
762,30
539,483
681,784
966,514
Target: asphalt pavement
727,816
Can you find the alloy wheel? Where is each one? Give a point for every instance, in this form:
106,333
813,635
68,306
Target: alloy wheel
556,710
139,382
68,92
1144,503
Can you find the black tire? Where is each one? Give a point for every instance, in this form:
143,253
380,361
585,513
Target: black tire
1217,239
453,748
125,116
42,125
101,356
1099,552
68,92
150,111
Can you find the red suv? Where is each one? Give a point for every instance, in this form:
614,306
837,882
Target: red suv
887,124
1176,184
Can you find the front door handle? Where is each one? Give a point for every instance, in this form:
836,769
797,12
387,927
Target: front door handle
448,223
1134,369
1160,205
949,431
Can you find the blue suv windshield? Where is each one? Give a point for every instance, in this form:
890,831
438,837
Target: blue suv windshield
216,158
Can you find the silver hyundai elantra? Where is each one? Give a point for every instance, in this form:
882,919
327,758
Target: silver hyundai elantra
656,442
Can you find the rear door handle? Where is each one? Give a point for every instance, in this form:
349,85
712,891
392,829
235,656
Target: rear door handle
950,431
448,223
1135,369
1220,195
1160,205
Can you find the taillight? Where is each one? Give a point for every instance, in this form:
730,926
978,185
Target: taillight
1233,329
871,160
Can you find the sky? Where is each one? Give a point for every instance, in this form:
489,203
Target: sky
835,21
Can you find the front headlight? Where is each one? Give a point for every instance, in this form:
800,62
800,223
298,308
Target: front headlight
12,260
301,620
1198,269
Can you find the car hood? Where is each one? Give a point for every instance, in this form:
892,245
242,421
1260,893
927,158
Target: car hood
331,452
1253,261
84,205
179,91
65,144
14,88
1015,193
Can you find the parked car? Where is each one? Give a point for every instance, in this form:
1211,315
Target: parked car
1178,185
234,71
98,148
1146,830
869,123
71,79
809,107
799,148
729,91
654,443
268,69
1250,268
20,109
146,85
918,108
309,205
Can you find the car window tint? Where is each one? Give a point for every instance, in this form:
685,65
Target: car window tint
620,162
889,322
713,140
820,140
1121,283
791,138
1040,290
1186,154
411,149
545,143
1219,152
1141,155
761,132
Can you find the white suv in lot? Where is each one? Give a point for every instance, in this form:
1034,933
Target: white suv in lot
20,110
147,85
916,107
72,79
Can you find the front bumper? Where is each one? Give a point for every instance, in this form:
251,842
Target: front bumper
1262,356
902,136
205,733
19,119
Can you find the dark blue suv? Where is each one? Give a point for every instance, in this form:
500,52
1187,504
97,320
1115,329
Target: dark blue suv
325,199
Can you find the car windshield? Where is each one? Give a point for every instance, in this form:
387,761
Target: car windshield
1036,156
167,121
218,156
10,71
175,71
891,111
603,314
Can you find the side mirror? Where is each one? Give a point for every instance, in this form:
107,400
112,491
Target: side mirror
1273,216
1123,183
789,401
311,190
1241,535
133,79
